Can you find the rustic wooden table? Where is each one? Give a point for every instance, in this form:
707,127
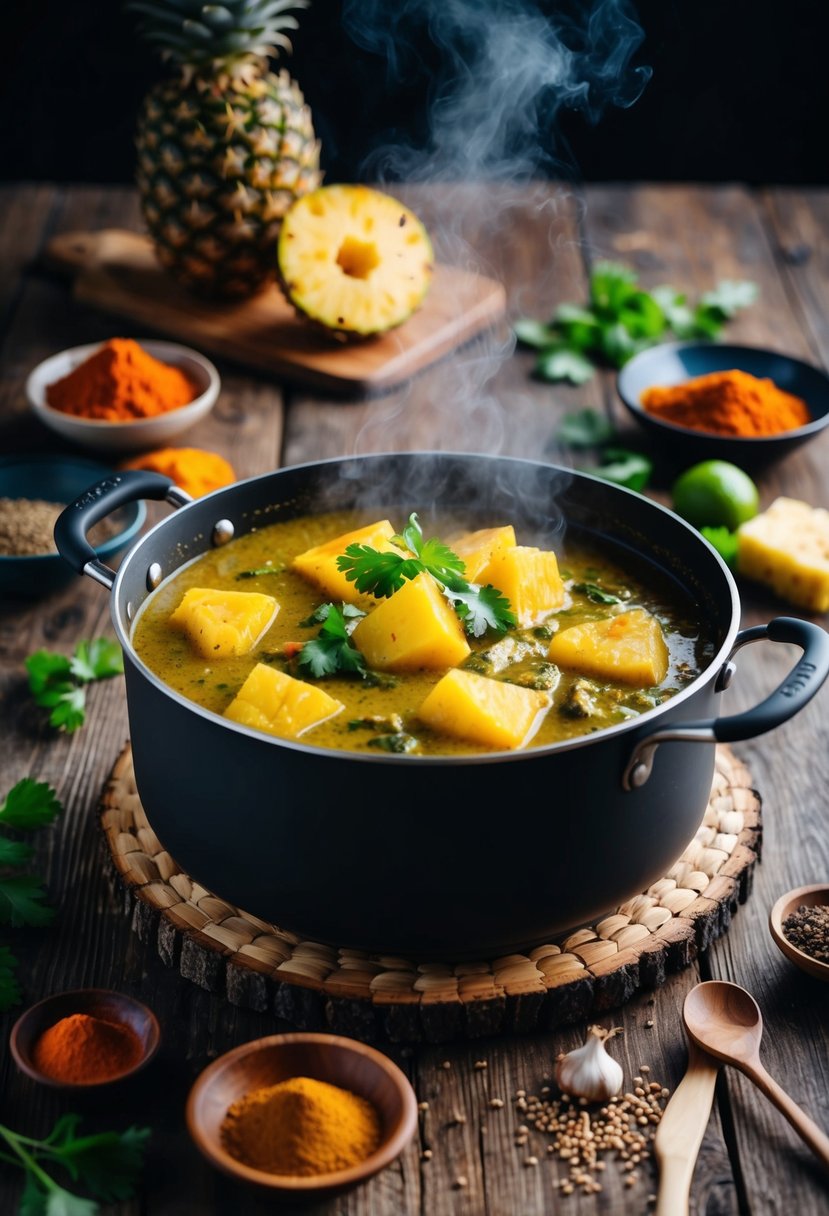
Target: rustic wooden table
540,242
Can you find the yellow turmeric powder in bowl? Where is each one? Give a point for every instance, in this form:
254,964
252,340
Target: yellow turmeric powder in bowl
301,1127
733,403
192,469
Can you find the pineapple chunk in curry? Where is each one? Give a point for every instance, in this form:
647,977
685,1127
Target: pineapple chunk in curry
426,666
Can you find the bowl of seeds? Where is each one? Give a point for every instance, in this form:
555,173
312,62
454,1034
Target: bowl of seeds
799,924
34,489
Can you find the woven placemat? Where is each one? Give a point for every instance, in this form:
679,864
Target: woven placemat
260,966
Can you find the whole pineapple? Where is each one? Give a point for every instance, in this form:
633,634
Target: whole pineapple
225,145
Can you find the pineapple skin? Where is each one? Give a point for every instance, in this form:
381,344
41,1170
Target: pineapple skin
221,158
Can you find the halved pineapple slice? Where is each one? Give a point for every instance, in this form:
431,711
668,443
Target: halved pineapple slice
354,259
276,703
221,624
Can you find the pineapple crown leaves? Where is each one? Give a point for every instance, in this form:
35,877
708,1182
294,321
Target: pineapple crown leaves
194,33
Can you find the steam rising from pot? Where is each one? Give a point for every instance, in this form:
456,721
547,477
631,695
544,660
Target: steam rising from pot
505,70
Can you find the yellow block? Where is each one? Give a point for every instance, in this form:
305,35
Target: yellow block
477,549
276,703
625,649
530,580
416,627
319,565
480,710
223,624
787,548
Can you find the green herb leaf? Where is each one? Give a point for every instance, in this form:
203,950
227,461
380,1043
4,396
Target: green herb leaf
584,429
108,1163
46,668
533,333
97,660
331,651
564,363
729,296
29,804
373,573
21,902
14,852
320,614
624,468
260,570
398,743
596,594
69,708
726,543
611,285
10,993
482,608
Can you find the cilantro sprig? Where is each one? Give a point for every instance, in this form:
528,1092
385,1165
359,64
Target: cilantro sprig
106,1164
331,651
58,682
382,573
29,805
620,319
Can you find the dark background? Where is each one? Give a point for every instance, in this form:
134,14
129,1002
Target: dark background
739,92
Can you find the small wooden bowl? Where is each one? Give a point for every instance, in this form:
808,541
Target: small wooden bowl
339,1061
813,897
96,1002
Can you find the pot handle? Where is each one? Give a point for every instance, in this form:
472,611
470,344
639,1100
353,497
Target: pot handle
800,685
100,500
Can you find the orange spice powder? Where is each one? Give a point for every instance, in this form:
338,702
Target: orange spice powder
727,403
120,383
85,1050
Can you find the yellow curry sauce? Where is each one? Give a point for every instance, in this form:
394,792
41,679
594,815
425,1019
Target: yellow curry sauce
385,704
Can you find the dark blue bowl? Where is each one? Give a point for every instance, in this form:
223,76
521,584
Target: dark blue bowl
61,479
675,362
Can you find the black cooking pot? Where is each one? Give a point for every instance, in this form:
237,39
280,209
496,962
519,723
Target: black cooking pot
438,856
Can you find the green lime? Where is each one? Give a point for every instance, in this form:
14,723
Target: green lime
715,494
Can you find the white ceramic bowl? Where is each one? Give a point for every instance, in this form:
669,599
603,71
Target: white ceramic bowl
143,433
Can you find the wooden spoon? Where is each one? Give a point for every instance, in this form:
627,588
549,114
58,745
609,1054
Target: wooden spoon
681,1129
726,1021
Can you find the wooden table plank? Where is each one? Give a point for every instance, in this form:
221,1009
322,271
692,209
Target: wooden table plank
538,241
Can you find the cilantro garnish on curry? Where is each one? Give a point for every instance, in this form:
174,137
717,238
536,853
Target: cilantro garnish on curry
358,637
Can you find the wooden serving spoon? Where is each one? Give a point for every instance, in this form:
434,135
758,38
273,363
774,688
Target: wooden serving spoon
681,1129
725,1021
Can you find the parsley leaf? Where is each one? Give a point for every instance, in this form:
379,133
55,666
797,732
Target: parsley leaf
107,1164
57,681
584,429
596,594
21,902
624,468
620,319
381,574
29,804
14,852
97,660
331,651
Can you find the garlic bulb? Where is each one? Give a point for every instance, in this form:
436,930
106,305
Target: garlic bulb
589,1072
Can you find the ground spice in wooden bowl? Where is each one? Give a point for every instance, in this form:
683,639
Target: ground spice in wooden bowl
301,1127
807,928
85,1050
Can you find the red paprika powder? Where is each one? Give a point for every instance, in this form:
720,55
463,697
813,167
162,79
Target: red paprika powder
85,1050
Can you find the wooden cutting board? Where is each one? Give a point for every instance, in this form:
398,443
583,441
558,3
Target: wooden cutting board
117,271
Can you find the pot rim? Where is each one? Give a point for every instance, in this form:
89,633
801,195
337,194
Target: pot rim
629,726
